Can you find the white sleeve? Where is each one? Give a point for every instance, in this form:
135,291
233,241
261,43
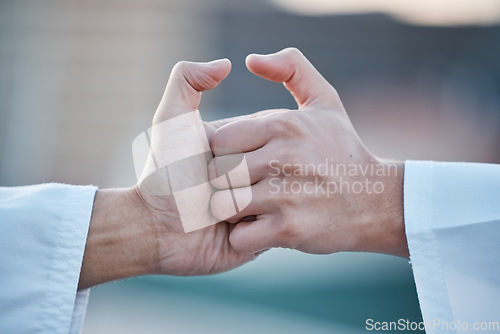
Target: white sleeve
452,220
43,231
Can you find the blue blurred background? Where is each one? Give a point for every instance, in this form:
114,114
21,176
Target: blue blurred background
80,79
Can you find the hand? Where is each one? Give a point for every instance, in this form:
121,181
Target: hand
138,231
314,185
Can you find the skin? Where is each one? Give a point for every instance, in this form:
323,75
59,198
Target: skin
307,220
135,231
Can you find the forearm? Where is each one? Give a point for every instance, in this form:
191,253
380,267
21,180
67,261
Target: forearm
121,242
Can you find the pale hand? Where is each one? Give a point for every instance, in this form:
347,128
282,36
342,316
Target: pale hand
294,202
138,231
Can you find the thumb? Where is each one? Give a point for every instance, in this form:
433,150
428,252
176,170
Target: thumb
184,87
302,80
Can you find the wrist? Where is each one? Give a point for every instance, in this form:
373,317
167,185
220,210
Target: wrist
121,241
384,230
392,226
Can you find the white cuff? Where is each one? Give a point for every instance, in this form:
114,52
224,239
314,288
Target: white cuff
452,221
43,232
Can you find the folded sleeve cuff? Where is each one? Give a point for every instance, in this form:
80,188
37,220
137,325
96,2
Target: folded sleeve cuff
43,232
452,222
65,306
427,271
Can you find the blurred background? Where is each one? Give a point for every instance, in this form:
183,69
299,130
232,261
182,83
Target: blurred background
80,79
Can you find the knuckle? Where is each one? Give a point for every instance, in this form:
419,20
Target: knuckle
197,75
215,203
288,201
284,163
293,53
225,164
183,71
180,67
217,141
288,233
288,124
283,160
220,206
